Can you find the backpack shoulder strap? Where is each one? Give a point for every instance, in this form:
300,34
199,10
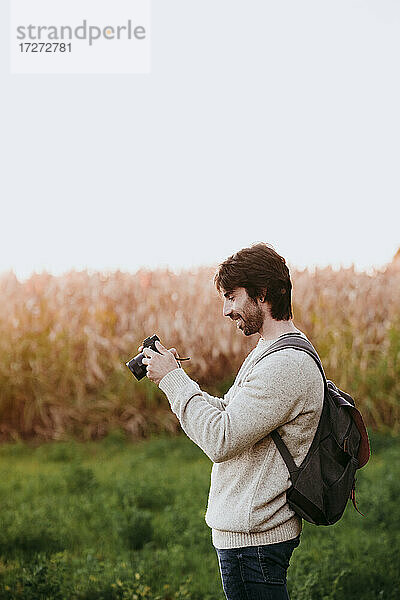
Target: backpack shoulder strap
284,452
297,342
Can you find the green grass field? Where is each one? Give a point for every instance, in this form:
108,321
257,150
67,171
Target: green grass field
116,520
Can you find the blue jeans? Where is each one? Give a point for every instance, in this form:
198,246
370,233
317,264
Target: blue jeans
256,572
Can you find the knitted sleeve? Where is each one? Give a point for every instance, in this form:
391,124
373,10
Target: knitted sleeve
273,393
219,403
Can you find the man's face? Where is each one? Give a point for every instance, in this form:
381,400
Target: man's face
239,307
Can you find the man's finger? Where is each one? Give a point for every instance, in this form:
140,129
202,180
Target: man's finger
149,352
174,352
160,347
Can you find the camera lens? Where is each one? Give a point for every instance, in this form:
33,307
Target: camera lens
137,367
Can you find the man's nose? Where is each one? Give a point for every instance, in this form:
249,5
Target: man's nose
227,309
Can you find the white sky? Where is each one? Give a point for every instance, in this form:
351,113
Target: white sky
261,120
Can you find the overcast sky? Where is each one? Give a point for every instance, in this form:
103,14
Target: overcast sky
260,120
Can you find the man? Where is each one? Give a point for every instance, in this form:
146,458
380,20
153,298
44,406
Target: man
253,529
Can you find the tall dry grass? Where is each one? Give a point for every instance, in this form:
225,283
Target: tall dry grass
64,341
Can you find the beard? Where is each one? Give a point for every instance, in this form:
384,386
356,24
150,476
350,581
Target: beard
252,318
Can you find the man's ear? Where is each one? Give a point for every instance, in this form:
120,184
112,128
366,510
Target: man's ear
263,295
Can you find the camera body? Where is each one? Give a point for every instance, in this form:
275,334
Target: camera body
135,365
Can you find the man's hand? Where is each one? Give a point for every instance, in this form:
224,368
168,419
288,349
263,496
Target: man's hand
158,365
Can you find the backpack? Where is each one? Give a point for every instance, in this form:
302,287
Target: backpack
322,484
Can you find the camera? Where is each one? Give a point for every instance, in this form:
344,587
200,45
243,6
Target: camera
135,364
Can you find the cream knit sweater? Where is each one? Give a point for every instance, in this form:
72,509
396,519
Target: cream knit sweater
247,500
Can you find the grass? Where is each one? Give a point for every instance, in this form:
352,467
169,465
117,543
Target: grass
112,520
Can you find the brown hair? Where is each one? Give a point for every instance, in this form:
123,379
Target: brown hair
263,273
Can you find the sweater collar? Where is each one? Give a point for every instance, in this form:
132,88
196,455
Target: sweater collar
263,343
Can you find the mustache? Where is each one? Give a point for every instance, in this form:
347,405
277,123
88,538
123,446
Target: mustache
235,316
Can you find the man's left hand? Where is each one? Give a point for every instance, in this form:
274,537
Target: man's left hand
159,363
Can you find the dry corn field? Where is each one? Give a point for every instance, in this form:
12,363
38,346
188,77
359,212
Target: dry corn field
64,342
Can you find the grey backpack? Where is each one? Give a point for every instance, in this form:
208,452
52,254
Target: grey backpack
322,484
